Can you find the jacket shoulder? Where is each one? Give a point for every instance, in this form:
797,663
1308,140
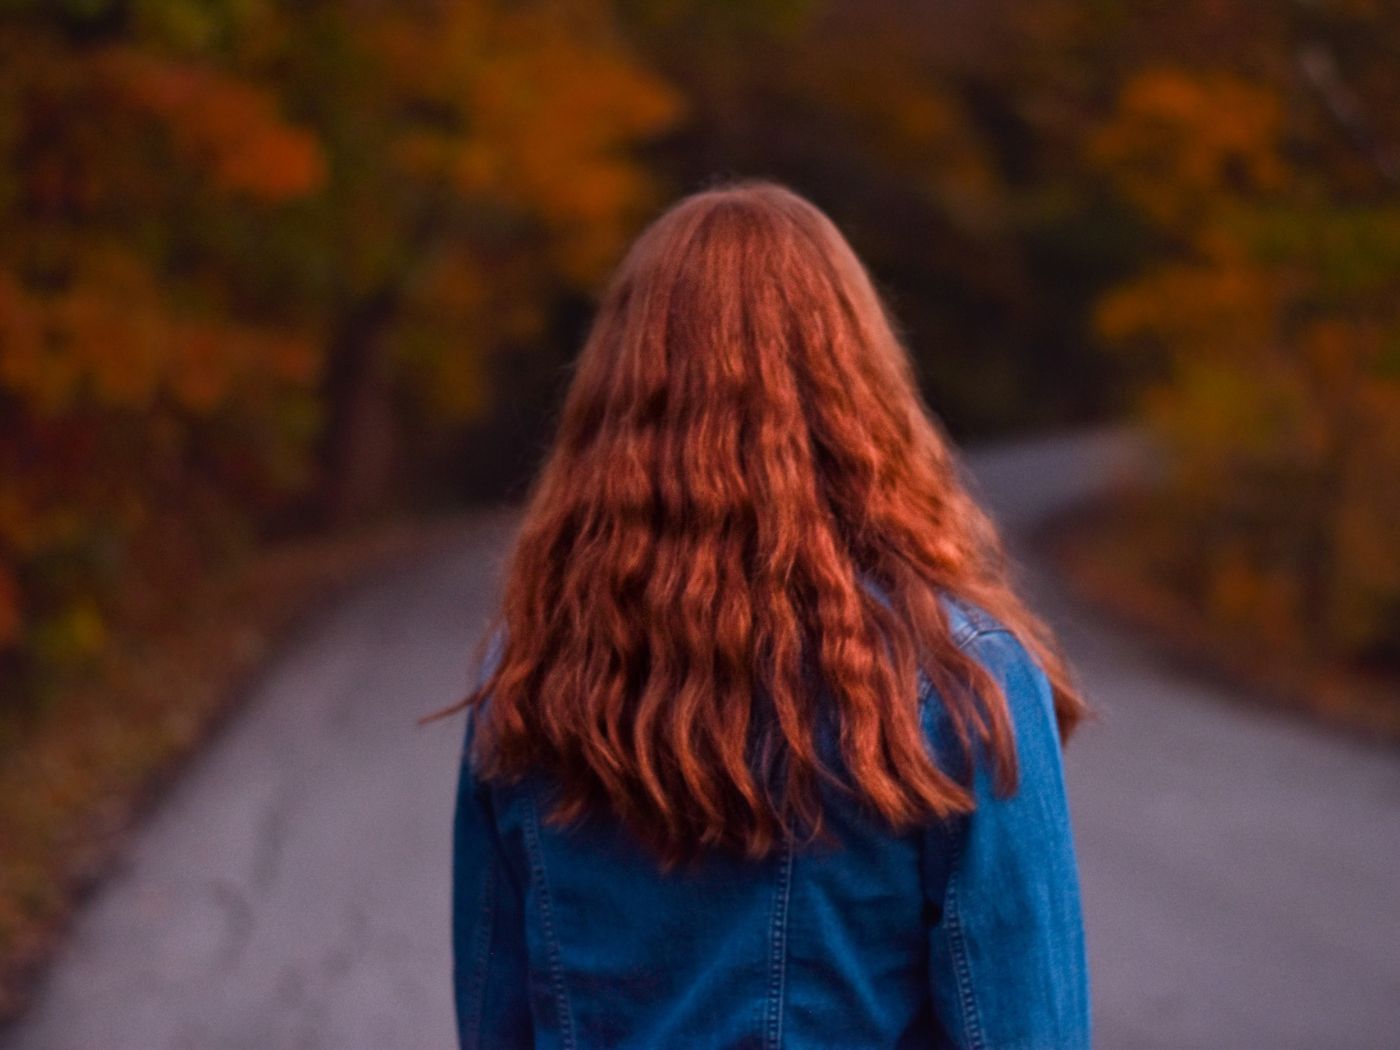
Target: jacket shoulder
966,619
999,650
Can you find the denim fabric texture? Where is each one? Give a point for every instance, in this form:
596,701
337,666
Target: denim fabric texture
961,934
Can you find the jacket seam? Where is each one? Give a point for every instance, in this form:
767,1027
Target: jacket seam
485,911
957,939
957,943
972,632
964,637
777,962
556,970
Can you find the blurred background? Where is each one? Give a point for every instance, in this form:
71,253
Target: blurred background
288,295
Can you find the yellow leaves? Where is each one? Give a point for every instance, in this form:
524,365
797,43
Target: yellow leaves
1178,142
230,127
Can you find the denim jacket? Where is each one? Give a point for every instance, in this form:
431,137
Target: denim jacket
960,934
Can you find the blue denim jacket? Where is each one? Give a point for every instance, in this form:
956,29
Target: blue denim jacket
963,934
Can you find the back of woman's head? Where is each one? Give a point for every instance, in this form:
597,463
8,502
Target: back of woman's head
746,495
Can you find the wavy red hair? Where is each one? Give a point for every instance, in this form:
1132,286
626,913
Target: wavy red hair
742,448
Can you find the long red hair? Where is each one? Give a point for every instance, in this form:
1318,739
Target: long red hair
742,449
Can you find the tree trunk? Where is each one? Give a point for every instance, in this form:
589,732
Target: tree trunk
358,440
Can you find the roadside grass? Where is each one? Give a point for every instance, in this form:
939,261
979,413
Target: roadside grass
1096,552
76,775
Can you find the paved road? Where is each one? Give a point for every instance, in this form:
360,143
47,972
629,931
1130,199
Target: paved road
1240,871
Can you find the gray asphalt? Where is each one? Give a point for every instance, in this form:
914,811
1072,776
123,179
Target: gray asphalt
1240,870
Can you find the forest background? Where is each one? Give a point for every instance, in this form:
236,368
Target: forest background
273,272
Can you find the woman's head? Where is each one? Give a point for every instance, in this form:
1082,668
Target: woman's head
742,450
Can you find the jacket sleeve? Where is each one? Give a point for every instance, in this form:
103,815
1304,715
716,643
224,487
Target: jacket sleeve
490,969
1007,959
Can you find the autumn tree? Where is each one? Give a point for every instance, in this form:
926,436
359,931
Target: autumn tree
1269,311
914,126
478,170
246,244
146,390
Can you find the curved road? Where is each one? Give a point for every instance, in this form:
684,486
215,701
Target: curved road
1241,871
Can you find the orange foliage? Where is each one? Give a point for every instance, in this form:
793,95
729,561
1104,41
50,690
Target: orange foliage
183,261
1180,141
227,126
1273,317
545,100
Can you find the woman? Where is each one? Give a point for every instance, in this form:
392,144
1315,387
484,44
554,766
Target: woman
765,751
